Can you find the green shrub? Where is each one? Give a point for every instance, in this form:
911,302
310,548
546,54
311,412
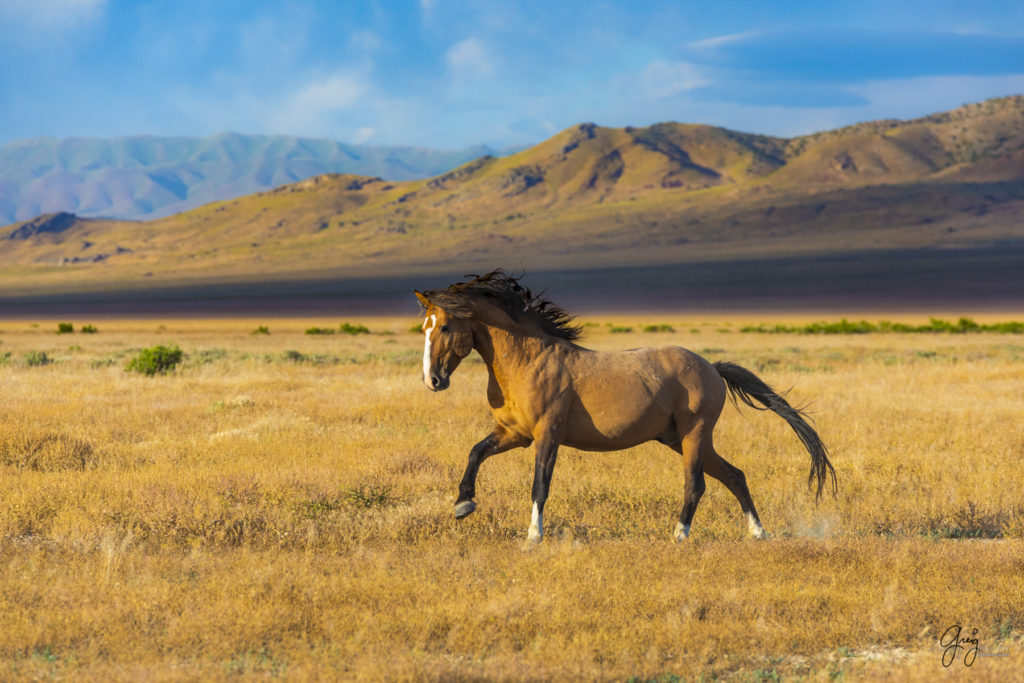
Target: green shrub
155,360
1011,327
65,328
319,330
348,328
89,329
37,358
935,325
620,329
659,328
262,329
207,356
370,496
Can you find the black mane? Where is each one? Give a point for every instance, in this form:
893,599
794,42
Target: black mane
504,291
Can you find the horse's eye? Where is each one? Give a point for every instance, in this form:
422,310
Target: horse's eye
444,328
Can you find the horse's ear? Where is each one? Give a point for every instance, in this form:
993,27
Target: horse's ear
424,301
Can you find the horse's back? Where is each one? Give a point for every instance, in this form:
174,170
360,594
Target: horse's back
627,397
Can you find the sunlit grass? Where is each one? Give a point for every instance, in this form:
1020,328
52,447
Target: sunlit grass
281,504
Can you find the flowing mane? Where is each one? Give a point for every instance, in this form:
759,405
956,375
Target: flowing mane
503,290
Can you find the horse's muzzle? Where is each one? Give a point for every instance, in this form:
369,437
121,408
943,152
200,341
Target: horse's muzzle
438,382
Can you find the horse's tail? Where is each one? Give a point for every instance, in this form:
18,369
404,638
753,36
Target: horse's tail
746,386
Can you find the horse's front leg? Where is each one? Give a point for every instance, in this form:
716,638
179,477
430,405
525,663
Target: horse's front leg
498,441
547,452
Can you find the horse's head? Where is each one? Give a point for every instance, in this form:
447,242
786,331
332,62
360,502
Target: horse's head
447,340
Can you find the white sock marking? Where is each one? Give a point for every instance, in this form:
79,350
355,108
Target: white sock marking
756,530
536,531
682,531
426,348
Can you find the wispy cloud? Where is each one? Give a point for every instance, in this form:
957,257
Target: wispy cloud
854,56
52,14
444,73
828,68
337,92
320,107
902,98
271,39
470,58
717,42
665,79
365,42
363,134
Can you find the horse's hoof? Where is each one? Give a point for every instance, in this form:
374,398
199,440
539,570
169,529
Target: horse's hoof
682,532
755,528
464,509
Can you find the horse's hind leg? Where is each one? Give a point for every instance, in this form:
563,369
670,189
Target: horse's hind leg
693,485
718,467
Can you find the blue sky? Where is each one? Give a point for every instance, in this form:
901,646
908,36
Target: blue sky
453,73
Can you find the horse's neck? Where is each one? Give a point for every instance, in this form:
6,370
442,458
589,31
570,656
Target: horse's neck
507,351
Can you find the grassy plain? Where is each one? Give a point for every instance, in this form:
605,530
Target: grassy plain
281,505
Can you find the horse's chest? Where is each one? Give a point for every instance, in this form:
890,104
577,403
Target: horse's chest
512,414
517,408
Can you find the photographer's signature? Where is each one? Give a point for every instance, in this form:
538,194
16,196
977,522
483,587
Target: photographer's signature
953,642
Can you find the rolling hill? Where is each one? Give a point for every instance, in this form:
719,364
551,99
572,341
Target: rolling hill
588,197
149,177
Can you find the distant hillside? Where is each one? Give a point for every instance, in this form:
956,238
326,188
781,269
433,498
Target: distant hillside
589,196
150,177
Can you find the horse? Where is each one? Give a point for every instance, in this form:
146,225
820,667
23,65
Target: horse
545,389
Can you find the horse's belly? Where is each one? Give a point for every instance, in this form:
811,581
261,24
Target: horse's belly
626,398
595,428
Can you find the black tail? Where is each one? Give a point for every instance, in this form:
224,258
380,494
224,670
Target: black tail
745,385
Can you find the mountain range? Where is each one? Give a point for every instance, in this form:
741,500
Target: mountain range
145,177
590,196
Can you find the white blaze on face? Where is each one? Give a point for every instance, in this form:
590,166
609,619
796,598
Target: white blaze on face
428,327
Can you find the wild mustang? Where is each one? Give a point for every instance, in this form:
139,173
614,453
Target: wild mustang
547,390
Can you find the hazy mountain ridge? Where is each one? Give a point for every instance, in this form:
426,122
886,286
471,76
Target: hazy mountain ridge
151,176
590,196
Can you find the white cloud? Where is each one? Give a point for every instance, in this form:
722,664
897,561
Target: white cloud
362,135
914,97
337,92
365,41
319,108
719,41
664,79
51,14
272,40
470,58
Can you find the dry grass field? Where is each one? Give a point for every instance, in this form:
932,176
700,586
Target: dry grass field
280,505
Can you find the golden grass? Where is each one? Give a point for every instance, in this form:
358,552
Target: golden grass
258,515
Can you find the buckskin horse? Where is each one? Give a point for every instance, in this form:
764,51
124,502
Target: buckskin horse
547,390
